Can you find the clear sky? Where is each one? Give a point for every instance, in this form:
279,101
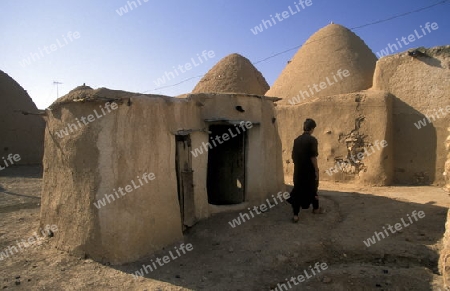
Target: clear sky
94,42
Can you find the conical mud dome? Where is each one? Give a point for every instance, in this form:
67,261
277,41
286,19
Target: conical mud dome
19,134
319,67
233,74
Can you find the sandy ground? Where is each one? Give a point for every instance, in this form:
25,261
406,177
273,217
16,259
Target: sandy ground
257,255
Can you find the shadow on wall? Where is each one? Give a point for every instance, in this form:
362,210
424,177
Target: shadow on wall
279,148
415,146
426,59
247,257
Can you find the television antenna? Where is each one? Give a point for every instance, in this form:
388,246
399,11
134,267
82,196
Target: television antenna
57,91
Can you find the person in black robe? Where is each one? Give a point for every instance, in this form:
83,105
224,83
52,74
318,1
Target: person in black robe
306,171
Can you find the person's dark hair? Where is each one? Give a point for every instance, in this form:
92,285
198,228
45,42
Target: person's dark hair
309,124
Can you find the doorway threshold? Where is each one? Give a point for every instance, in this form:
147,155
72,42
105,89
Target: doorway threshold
214,209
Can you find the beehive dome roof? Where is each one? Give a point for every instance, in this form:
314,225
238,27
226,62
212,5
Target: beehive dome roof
20,133
330,49
13,96
233,74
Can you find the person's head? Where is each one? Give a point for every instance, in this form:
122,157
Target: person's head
309,125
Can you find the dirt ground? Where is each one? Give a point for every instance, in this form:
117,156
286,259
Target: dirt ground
257,255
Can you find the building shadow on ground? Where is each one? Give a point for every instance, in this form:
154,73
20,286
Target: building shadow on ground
260,252
25,171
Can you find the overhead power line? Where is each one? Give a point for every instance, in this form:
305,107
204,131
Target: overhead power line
299,46
360,26
400,15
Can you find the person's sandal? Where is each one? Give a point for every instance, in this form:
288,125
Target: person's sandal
295,219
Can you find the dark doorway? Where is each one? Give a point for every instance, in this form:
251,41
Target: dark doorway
226,166
185,185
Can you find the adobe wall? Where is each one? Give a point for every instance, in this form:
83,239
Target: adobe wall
444,263
421,86
264,175
447,163
138,138
444,260
347,124
19,134
109,153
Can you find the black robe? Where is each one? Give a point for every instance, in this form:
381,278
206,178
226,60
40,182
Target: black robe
305,183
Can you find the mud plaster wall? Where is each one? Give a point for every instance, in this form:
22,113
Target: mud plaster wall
70,178
444,263
264,175
19,134
346,124
113,150
447,163
420,86
108,154
185,117
135,142
444,260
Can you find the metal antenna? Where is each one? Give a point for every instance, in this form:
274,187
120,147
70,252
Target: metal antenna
57,92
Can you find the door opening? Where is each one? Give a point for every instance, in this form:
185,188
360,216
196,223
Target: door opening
226,166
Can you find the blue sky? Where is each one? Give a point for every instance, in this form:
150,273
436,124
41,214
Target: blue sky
95,45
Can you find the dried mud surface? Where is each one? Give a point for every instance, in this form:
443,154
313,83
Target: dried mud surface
256,255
